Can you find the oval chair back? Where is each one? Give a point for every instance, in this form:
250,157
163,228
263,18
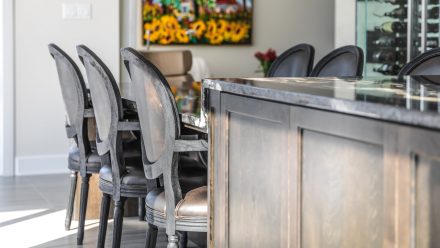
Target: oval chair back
347,61
158,115
426,64
75,99
107,105
160,127
297,61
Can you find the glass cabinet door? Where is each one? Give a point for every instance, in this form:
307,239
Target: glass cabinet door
392,32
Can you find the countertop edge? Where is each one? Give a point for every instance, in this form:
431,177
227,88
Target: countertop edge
363,109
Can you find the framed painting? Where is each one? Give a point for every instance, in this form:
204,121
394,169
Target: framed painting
197,22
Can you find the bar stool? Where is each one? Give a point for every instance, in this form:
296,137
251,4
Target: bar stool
427,64
167,205
297,61
347,61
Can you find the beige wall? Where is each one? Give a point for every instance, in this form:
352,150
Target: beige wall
278,24
39,107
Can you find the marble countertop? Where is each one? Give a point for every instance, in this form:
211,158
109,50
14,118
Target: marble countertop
411,101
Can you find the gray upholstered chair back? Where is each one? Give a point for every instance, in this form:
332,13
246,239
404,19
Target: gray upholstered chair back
297,61
75,99
72,85
107,105
157,111
347,61
426,64
105,95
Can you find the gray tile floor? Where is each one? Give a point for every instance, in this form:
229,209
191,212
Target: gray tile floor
32,211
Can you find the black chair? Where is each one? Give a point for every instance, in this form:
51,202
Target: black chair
426,64
297,61
167,206
83,157
347,61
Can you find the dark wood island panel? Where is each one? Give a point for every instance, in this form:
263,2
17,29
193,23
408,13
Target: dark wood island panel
286,175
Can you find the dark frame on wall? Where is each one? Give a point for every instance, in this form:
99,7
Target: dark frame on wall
196,22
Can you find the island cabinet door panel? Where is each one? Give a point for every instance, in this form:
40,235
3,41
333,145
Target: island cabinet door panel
252,172
419,187
345,189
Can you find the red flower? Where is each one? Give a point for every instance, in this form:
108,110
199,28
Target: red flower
259,56
269,56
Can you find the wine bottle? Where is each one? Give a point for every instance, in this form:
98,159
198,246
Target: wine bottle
388,69
392,27
430,42
400,12
387,41
432,28
384,56
433,13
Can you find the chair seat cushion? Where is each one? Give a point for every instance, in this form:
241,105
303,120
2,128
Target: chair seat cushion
132,152
134,175
93,161
194,206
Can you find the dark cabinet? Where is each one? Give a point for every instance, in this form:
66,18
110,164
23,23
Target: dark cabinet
290,176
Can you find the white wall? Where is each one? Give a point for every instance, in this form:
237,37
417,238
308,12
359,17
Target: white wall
345,22
278,24
6,89
41,143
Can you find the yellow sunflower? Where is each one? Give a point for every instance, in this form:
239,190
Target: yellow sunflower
181,36
241,31
170,22
229,30
155,28
215,39
199,27
167,37
221,26
211,28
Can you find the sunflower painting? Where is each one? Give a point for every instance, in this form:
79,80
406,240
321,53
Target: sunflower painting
210,22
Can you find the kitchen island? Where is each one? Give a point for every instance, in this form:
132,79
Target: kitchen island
323,162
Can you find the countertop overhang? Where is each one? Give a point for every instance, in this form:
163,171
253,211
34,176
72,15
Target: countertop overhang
411,101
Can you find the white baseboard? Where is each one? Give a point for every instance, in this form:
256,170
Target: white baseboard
42,164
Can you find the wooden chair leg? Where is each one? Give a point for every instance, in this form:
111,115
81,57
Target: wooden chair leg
69,211
173,241
118,218
103,220
151,236
141,209
183,239
83,208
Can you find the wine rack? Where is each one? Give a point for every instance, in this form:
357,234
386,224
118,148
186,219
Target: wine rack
386,41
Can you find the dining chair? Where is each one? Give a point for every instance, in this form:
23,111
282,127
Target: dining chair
117,180
168,205
427,64
347,61
83,157
297,61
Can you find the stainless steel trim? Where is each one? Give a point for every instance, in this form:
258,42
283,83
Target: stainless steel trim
423,38
409,27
